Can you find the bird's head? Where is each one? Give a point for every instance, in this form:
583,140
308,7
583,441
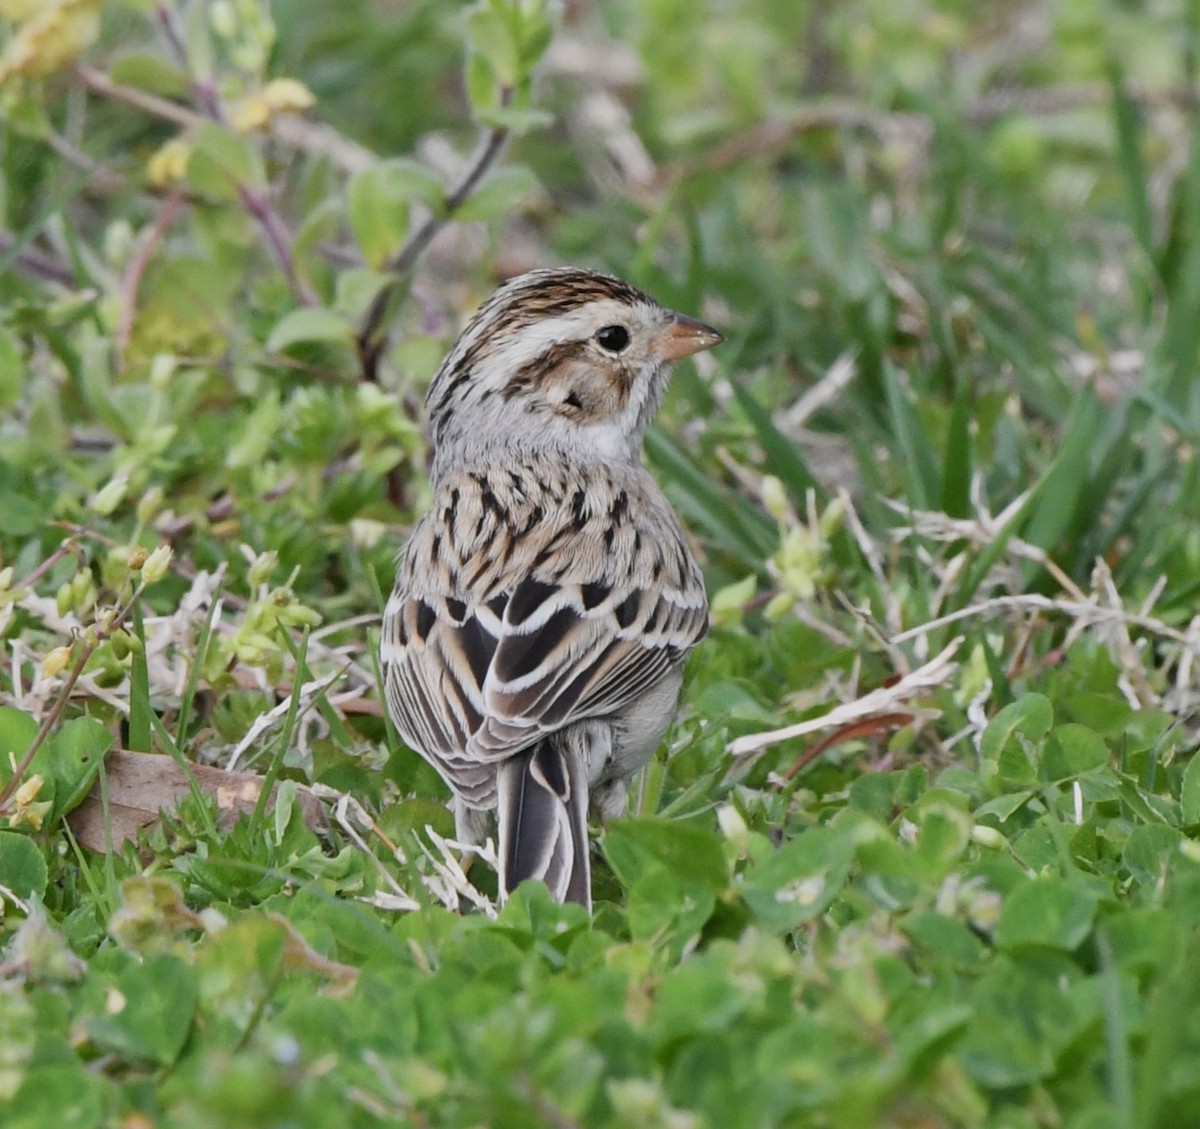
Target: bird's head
577,355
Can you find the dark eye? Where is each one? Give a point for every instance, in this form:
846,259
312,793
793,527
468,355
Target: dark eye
614,338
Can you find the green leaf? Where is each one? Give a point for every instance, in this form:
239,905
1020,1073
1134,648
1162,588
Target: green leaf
1189,797
22,868
945,938
223,162
692,854
67,1097
72,756
17,731
1048,911
1072,750
800,880
517,120
151,1015
1149,852
12,370
499,194
1030,716
68,760
378,202
151,72
308,325
378,219
493,38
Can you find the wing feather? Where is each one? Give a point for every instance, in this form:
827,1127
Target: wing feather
484,659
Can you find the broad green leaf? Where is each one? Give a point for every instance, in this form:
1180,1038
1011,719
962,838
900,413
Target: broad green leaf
1031,717
58,1095
514,119
150,1016
1107,714
17,731
1053,912
692,854
800,880
309,325
222,163
1149,852
943,833
1072,750
945,938
22,868
377,208
493,38
500,193
72,756
151,72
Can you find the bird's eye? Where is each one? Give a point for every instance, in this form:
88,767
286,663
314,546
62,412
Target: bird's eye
614,338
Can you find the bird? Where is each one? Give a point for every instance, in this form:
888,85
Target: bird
532,647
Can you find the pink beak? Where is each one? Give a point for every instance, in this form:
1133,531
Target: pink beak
684,336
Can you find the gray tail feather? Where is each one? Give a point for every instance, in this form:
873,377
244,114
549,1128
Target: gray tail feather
543,801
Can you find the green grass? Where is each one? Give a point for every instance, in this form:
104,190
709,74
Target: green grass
968,898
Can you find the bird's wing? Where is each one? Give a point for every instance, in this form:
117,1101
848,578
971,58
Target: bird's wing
566,652
468,685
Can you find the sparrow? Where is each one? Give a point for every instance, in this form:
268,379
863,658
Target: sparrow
533,646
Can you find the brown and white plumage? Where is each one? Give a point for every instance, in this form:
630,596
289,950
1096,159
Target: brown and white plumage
543,606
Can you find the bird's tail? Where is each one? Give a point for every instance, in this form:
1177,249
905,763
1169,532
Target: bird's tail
543,802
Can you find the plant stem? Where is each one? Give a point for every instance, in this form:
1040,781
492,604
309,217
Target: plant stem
64,695
372,335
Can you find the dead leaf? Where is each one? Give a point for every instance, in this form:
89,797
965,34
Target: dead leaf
141,785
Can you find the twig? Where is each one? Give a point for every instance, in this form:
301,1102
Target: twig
102,177
137,268
372,335
64,695
67,546
866,727
38,264
882,701
150,104
279,239
1087,613
204,93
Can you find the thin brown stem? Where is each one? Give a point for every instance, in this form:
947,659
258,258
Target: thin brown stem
42,266
137,268
204,94
64,695
150,104
372,334
67,547
257,205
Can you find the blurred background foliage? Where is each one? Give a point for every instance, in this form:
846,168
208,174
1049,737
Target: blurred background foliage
955,249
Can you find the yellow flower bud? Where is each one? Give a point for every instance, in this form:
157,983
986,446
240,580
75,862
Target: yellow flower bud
150,504
28,792
157,564
284,95
169,164
52,38
774,497
56,661
110,496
